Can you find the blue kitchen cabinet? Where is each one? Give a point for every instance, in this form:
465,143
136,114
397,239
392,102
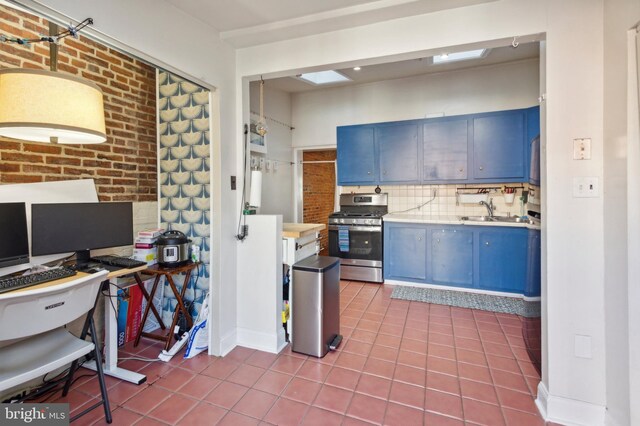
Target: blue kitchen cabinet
356,155
450,258
502,259
405,251
398,153
533,137
445,146
534,278
499,153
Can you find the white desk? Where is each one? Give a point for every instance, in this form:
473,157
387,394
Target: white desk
111,336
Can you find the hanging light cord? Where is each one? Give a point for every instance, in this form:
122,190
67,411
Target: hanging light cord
262,100
70,31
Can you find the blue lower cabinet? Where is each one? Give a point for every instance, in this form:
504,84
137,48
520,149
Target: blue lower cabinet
502,259
532,288
450,258
405,250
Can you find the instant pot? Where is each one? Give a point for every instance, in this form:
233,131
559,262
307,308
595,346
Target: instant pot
173,248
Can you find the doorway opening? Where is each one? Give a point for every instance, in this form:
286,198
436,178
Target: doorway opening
319,190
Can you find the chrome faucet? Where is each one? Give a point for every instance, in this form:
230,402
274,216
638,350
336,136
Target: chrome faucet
489,206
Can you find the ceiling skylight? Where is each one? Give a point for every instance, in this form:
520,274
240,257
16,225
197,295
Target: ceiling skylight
460,56
324,77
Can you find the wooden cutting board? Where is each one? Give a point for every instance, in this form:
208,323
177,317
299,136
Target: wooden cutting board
297,230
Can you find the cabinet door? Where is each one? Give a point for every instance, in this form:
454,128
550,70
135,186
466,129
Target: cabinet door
356,155
405,249
532,289
450,257
502,259
498,147
445,148
533,137
398,150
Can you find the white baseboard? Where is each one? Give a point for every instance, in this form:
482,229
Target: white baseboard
568,411
460,289
267,342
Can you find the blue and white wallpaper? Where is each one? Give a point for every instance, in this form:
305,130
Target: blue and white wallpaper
184,153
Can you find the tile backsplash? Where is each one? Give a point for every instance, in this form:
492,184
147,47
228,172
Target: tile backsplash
420,200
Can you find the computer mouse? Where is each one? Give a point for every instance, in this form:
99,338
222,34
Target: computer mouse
94,270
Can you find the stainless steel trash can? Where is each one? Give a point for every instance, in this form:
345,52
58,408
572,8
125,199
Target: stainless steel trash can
316,305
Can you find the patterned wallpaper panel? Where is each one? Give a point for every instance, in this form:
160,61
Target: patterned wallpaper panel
184,153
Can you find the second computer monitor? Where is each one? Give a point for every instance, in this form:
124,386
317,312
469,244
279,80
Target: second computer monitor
80,227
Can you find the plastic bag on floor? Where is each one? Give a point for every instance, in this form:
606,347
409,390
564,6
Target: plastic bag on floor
199,333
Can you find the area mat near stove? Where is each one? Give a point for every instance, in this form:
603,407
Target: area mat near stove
484,302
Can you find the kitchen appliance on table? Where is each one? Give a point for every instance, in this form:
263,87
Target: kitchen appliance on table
355,236
173,249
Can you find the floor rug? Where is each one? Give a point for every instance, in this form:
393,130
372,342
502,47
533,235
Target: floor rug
484,302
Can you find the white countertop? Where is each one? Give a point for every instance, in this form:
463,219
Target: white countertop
452,220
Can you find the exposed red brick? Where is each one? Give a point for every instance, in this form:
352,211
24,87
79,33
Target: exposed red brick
130,116
318,186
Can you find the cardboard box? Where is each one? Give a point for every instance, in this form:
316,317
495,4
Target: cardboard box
148,255
129,313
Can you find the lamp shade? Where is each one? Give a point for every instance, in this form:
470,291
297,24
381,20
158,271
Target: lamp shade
47,106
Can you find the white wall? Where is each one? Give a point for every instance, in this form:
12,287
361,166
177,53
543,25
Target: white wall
277,185
574,388
619,16
491,88
166,36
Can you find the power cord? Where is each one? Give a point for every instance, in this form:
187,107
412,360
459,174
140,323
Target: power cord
242,226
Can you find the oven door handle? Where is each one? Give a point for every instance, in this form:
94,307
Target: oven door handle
357,228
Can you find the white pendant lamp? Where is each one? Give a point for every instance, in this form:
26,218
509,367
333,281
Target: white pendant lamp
48,106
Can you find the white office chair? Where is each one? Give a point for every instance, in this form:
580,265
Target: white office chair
32,324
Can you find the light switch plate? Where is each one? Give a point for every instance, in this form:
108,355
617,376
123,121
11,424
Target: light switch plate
582,149
586,187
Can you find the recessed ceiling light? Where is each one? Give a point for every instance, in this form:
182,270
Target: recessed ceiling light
460,56
356,68
323,77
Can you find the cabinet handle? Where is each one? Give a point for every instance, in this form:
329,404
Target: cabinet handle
461,170
368,173
419,238
438,241
481,168
486,243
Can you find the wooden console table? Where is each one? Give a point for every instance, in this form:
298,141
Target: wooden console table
167,272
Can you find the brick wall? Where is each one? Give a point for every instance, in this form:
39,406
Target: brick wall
124,167
318,186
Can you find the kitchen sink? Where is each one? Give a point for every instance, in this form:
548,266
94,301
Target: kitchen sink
477,218
508,219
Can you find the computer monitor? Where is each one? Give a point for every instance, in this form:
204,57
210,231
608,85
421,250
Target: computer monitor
14,240
80,227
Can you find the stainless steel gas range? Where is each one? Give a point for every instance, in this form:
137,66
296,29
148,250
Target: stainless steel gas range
355,236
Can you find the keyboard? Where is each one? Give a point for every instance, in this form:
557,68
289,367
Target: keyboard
122,262
15,282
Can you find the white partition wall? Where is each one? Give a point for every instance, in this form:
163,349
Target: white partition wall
260,285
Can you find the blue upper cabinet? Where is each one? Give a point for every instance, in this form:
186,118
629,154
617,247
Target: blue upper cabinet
451,256
533,138
499,153
405,250
356,155
398,151
475,148
445,145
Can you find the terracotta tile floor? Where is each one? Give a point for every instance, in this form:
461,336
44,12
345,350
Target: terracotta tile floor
400,363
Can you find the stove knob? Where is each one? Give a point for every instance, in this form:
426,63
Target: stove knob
341,220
